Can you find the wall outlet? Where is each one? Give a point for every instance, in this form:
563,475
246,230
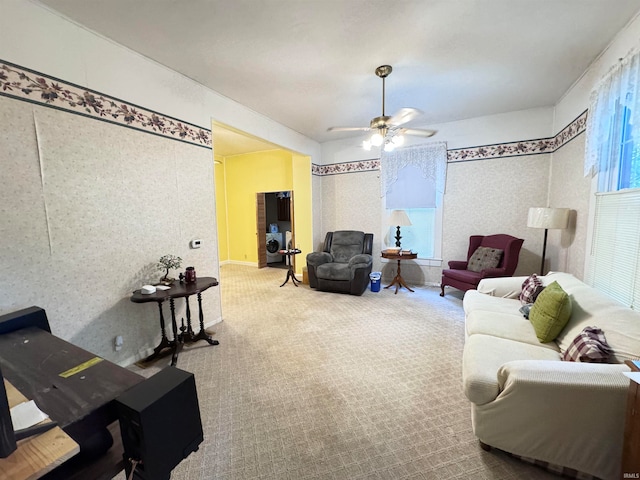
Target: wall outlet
117,343
195,243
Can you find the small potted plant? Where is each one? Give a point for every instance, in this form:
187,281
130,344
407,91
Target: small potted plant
166,263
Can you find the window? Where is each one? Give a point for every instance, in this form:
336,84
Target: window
629,161
413,180
613,155
614,267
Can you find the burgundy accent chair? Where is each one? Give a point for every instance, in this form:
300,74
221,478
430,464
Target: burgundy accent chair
459,277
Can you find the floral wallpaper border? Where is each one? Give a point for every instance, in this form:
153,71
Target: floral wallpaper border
348,167
484,152
31,86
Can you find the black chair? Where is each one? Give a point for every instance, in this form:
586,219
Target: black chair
344,264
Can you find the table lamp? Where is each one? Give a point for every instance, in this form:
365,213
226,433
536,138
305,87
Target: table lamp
547,217
399,218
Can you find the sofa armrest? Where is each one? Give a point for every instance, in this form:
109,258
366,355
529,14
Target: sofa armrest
568,376
506,287
494,272
318,258
544,407
360,260
458,265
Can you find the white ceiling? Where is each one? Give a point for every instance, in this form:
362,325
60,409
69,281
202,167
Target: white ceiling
309,64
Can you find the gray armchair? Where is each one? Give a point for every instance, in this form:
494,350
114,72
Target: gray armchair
344,264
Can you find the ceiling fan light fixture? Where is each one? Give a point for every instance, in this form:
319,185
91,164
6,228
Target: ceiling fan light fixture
385,126
376,139
397,140
389,147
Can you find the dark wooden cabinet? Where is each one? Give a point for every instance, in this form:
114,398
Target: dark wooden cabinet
284,209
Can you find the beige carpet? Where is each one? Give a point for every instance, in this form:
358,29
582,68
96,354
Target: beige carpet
314,385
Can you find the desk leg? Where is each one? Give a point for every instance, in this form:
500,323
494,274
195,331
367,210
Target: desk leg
164,341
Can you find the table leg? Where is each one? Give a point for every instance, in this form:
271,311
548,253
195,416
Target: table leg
177,344
398,281
164,341
291,274
202,334
187,334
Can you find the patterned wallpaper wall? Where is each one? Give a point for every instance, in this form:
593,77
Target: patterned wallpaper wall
333,206
88,209
489,190
483,152
31,86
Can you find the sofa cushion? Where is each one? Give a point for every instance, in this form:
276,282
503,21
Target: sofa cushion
483,258
474,301
345,244
465,276
334,271
550,312
590,307
531,288
589,346
482,358
510,326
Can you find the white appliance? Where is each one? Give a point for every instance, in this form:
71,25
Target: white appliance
274,243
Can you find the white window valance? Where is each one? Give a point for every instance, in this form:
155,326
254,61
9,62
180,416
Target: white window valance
415,173
618,90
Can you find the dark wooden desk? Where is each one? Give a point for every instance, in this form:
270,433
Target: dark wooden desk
37,455
186,335
81,400
398,281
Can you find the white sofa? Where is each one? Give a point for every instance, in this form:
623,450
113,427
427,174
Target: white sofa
525,399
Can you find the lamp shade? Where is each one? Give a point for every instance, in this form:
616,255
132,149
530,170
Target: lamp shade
399,218
546,217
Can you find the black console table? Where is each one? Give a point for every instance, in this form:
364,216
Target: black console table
186,335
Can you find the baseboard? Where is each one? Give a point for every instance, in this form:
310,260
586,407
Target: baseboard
236,262
148,351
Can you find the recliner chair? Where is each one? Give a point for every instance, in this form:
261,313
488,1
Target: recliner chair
460,277
344,264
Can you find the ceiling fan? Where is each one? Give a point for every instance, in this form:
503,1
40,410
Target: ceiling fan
388,130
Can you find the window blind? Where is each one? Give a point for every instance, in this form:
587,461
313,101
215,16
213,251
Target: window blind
411,190
615,250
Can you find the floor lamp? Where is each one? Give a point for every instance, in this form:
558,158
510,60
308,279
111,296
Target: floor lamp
546,217
399,218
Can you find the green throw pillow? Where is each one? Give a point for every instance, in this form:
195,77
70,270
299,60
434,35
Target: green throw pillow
550,312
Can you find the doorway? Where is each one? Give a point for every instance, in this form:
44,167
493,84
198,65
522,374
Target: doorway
274,214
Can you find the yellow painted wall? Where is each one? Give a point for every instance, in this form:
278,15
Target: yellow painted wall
221,209
303,213
246,175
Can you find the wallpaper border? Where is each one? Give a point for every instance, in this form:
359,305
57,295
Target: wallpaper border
20,83
35,87
482,152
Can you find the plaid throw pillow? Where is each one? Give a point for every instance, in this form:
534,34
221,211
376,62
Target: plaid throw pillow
589,346
531,288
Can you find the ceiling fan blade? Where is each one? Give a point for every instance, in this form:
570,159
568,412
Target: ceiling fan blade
418,132
404,115
348,129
